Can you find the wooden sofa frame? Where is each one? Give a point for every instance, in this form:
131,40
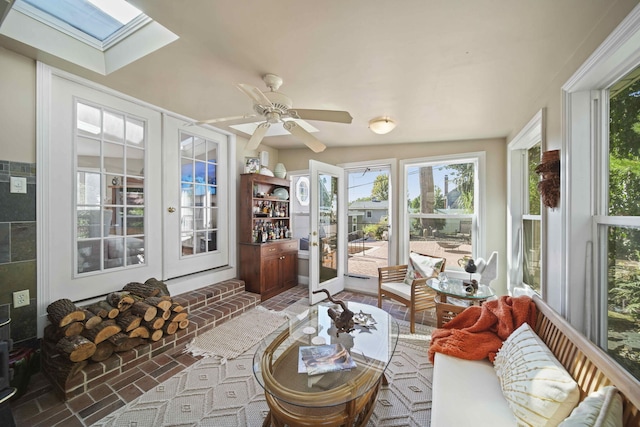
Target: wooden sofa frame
587,363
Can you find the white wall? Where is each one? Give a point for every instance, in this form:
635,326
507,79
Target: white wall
17,107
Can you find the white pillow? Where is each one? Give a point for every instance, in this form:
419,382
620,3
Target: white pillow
602,408
422,266
536,386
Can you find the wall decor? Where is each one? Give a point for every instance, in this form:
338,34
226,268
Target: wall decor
549,171
251,165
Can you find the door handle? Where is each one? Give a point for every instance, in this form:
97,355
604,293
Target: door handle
171,209
314,243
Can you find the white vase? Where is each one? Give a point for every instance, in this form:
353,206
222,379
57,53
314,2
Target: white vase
280,171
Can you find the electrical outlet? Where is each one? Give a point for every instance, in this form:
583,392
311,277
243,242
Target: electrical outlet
21,298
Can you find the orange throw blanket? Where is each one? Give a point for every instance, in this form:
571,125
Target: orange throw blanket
479,331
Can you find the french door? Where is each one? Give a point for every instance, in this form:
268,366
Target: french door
327,226
101,188
194,215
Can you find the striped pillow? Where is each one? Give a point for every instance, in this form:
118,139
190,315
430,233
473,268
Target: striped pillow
536,386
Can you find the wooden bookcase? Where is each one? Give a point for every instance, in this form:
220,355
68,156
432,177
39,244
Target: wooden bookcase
268,255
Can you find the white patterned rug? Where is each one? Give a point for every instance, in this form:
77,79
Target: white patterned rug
211,393
237,335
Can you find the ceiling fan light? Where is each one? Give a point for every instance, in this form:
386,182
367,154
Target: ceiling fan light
382,125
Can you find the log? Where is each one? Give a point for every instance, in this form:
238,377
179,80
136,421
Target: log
91,319
77,348
118,339
183,324
102,331
64,311
54,334
129,344
61,368
120,300
160,303
141,332
144,310
156,335
97,310
177,308
154,324
170,328
144,290
112,312
178,317
166,314
73,328
164,291
128,321
103,351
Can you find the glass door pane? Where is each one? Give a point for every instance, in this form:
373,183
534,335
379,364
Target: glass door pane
110,191
198,189
368,220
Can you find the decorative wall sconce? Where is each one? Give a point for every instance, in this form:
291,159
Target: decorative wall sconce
549,185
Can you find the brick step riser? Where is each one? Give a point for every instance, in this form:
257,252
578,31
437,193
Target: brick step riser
207,307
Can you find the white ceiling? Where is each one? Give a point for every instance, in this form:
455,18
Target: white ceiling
444,69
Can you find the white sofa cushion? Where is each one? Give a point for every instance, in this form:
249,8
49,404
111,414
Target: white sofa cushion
536,386
602,408
401,289
466,391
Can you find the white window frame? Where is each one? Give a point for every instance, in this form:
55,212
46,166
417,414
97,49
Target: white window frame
517,198
585,112
478,243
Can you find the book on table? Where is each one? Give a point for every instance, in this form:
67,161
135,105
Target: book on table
321,359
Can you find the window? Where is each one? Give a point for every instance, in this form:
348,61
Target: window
525,217
599,179
442,208
368,214
531,223
619,224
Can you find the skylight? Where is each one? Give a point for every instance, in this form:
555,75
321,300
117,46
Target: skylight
99,19
89,33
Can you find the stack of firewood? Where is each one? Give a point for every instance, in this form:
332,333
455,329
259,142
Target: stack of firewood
139,313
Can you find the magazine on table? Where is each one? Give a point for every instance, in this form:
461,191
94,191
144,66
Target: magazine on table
320,359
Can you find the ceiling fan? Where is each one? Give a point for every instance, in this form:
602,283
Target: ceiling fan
275,107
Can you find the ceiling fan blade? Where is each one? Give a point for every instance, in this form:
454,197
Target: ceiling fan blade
225,119
257,136
255,94
308,139
323,115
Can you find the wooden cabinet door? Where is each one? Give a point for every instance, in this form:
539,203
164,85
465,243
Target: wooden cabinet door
270,275
289,269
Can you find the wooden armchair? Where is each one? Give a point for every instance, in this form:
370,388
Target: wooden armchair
417,296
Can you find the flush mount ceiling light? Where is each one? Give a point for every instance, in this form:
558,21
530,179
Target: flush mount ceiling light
382,125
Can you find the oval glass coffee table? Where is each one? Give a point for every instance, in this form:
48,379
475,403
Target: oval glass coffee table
342,397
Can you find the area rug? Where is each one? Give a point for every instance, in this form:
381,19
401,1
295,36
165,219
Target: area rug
237,335
210,393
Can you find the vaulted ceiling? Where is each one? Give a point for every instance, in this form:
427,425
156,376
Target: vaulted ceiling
444,69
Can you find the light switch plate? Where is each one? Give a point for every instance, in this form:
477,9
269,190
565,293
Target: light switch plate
18,184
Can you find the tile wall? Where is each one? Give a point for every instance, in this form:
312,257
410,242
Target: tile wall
18,248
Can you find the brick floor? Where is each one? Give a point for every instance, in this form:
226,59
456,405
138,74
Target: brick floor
41,406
